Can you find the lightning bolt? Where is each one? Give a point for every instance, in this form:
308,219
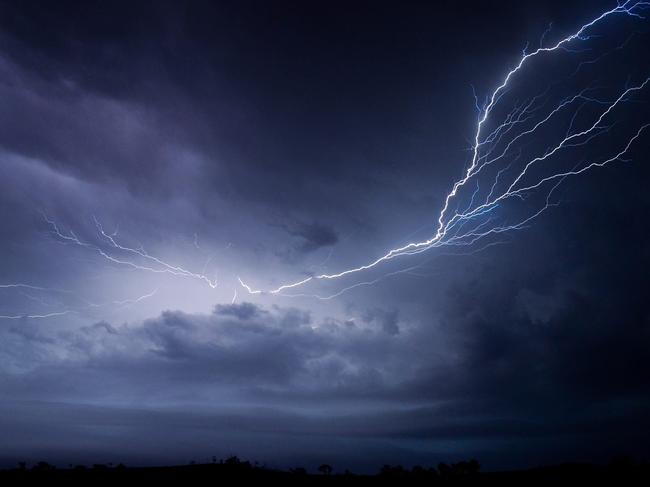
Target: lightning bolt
475,222
156,265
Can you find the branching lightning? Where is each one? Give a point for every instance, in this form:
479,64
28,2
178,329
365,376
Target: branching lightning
476,222
112,247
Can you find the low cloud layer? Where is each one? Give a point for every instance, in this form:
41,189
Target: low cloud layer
493,372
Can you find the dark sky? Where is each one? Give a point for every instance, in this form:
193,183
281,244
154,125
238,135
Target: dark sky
274,141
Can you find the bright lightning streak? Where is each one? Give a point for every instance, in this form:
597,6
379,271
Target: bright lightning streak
512,191
29,286
248,288
37,316
616,157
162,267
461,235
125,302
408,271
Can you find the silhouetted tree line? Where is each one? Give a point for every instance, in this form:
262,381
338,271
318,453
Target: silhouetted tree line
233,468
461,469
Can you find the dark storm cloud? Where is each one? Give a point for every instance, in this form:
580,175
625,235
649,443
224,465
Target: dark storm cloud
388,320
242,311
312,236
296,127
239,345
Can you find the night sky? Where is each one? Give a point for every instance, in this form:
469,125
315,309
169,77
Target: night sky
226,148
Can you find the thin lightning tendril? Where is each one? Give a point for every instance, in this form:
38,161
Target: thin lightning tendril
162,267
67,311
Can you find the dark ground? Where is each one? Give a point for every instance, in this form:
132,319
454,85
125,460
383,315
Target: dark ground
621,472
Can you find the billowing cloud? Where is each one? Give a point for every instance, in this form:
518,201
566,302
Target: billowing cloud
312,236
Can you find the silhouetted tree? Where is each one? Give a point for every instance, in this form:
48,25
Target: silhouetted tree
43,467
392,471
325,469
465,468
233,460
419,472
444,469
